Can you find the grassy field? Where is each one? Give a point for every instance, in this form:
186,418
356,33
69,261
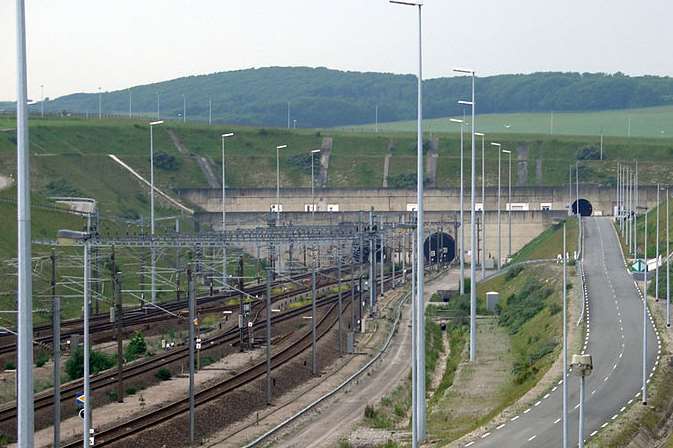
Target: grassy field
652,122
549,243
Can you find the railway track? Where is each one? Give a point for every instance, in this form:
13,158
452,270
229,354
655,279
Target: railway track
167,412
139,316
44,400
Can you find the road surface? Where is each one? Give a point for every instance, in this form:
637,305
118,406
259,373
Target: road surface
615,342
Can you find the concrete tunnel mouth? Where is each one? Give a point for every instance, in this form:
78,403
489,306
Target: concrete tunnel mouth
586,209
439,247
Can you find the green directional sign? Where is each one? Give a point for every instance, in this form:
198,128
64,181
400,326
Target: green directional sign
638,266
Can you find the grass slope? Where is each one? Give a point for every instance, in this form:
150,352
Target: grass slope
549,243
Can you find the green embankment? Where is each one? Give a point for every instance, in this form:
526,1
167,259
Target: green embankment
70,156
528,326
549,243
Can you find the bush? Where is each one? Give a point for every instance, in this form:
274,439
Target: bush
513,272
131,390
163,374
112,395
303,163
165,161
41,358
370,412
9,365
74,367
136,348
589,153
61,187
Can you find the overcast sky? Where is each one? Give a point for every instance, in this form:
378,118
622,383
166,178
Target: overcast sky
78,45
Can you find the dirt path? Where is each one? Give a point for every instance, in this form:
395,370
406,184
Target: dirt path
204,164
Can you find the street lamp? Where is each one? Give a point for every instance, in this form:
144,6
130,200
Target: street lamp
24,341
315,151
184,108
565,341
509,212
210,111
644,397
668,266
42,100
418,414
499,146
473,224
152,255
582,366
483,204
462,219
100,105
224,215
278,148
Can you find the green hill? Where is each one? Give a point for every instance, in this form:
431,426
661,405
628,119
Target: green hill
321,97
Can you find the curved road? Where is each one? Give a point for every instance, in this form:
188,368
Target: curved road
614,339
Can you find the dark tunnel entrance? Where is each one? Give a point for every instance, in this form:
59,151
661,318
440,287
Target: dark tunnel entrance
586,209
439,247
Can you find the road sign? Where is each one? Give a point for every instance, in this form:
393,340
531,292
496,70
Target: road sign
81,414
638,266
198,346
80,399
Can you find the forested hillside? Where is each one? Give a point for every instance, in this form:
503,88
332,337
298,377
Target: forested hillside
320,97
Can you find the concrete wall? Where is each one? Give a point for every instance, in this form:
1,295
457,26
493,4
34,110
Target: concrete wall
393,200
525,225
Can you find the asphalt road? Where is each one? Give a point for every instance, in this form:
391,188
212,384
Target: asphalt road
615,342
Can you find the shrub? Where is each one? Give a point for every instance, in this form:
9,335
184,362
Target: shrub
41,358
112,395
165,161
589,153
513,272
131,390
163,374
9,365
61,187
137,347
99,361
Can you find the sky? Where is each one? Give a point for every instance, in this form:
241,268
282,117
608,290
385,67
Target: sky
80,45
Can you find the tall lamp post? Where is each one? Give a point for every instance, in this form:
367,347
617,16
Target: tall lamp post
210,111
565,341
278,148
42,100
313,152
473,222
24,389
668,265
499,252
153,254
184,108
483,203
461,257
644,396
582,366
419,425
224,214
509,208
100,104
